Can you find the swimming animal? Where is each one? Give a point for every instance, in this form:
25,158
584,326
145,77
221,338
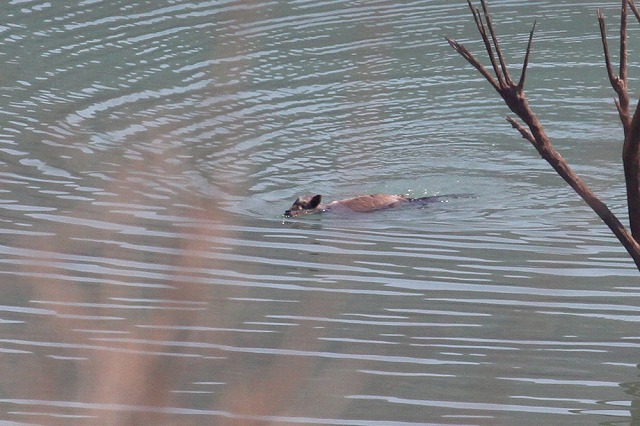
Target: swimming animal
361,204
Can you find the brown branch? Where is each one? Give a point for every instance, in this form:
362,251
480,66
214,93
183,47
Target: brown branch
526,134
634,9
562,168
623,42
513,95
618,83
631,163
618,107
526,59
464,52
635,125
635,121
605,46
630,125
503,64
487,44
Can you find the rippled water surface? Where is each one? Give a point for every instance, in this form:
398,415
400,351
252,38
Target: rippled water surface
149,149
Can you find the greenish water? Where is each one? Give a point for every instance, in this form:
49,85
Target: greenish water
149,149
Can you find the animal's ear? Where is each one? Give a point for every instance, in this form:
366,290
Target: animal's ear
315,201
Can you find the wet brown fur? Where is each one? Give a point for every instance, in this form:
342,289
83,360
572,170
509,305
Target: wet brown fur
362,204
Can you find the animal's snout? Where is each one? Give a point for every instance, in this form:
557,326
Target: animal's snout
288,213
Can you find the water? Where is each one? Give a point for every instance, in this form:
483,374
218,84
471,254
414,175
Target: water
149,149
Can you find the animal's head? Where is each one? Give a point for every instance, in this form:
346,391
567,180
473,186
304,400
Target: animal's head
304,204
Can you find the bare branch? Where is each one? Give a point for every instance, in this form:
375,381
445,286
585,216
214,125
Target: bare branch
631,162
623,42
618,107
634,9
477,17
633,136
526,134
503,63
618,83
526,59
464,52
487,43
605,46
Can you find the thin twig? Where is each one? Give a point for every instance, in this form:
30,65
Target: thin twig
487,44
605,46
623,42
634,9
494,37
464,52
526,59
476,16
618,83
526,134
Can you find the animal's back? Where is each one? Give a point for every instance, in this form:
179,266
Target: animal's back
369,203
361,204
